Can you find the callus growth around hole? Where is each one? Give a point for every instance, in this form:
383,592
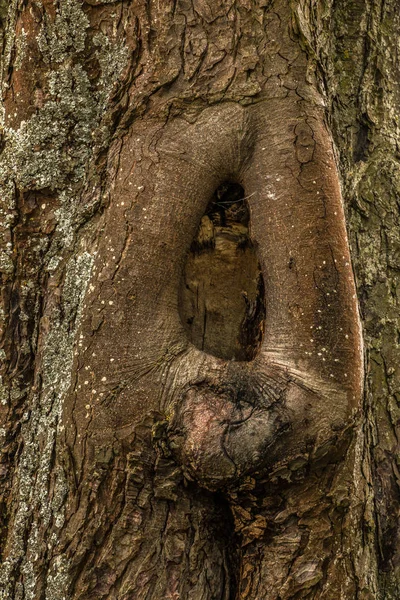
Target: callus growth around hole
287,313
204,305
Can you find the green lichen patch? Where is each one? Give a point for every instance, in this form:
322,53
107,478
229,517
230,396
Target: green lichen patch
8,19
21,49
7,219
3,9
376,221
52,148
112,56
65,36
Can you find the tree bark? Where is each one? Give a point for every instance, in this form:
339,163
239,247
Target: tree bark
190,405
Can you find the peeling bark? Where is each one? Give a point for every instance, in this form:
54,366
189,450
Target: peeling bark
183,413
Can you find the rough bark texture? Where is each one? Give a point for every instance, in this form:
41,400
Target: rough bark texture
182,412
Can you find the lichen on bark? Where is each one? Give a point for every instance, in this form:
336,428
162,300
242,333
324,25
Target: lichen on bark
47,133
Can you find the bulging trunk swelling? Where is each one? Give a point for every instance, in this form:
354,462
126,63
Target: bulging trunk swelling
175,177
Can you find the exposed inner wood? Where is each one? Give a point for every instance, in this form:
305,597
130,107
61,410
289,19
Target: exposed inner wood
222,302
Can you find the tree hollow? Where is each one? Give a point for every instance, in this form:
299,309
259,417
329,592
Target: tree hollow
222,299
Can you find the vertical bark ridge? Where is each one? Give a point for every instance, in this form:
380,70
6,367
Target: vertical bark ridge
361,70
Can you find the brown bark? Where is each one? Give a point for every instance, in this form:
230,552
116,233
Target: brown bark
183,413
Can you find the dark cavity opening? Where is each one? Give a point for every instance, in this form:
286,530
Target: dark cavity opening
222,299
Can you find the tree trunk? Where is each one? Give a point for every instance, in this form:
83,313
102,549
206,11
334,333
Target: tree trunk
191,406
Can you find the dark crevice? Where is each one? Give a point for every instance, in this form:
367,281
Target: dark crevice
222,296
361,146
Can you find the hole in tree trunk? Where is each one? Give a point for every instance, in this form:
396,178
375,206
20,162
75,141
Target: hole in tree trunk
222,301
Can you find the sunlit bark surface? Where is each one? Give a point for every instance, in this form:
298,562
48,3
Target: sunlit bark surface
191,407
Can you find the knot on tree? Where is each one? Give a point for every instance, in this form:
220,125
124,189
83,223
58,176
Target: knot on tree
221,432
